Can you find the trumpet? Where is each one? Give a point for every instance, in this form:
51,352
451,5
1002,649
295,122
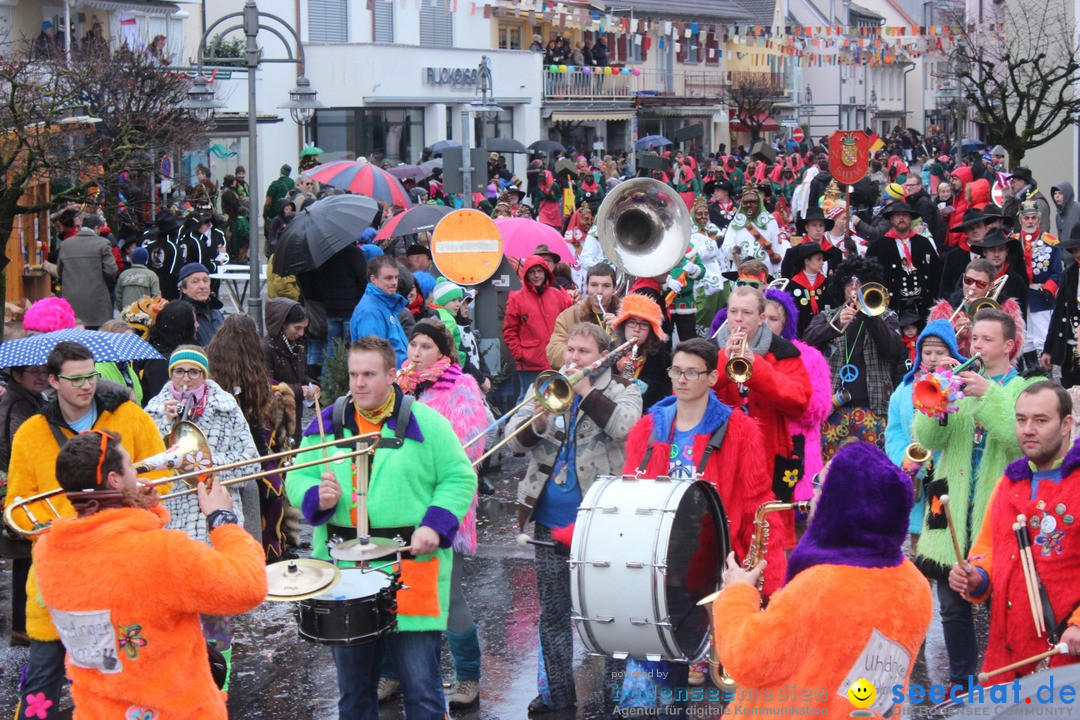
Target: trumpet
872,299
554,392
194,468
738,366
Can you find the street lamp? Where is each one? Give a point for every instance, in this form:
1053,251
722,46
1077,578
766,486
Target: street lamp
487,109
872,108
808,100
301,105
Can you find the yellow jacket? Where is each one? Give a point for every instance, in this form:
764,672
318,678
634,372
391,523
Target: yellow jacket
33,470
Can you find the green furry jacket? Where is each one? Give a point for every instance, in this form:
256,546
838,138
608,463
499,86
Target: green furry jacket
969,493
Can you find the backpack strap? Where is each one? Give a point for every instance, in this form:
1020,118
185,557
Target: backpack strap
404,415
338,416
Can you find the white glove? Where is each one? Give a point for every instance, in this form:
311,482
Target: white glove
673,285
693,271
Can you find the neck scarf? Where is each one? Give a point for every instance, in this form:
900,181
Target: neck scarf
380,414
293,348
410,378
199,395
759,344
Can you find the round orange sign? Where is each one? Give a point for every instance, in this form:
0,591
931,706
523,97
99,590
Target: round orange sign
466,247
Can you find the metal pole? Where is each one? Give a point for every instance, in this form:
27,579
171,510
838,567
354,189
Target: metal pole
466,156
251,30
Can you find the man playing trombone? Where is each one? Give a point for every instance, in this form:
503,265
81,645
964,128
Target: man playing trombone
566,454
80,405
978,290
862,342
421,486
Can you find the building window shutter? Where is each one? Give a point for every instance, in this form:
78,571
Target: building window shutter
436,26
328,21
621,49
384,21
712,50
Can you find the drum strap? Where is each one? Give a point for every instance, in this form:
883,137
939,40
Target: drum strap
403,415
715,442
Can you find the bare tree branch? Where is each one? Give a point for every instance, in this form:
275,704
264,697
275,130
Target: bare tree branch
753,96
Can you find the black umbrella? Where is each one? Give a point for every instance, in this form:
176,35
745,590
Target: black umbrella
546,146
506,145
320,230
444,145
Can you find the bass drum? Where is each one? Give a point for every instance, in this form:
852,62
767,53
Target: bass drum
360,609
644,552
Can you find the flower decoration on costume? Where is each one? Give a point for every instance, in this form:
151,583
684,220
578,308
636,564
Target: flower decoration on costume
131,640
37,706
791,477
938,394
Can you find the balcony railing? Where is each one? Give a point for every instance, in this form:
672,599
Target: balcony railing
577,86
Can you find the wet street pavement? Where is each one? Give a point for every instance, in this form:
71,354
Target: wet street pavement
278,676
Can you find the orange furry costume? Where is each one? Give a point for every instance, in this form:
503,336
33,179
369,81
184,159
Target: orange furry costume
850,560
126,596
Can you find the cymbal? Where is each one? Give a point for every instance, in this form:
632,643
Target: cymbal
300,579
375,548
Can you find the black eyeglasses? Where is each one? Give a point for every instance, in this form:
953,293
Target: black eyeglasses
690,375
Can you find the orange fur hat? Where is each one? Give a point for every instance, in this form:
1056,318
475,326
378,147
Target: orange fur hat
642,308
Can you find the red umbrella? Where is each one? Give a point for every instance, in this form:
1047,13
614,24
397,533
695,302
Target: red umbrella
361,179
522,235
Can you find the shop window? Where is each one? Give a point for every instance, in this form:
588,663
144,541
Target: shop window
501,126
328,21
394,133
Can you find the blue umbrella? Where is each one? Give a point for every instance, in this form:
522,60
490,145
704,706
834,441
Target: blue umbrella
106,347
651,141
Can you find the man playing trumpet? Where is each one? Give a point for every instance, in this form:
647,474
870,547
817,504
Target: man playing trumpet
1044,487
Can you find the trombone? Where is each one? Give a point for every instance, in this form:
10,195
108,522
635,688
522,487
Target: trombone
973,306
191,455
553,391
872,299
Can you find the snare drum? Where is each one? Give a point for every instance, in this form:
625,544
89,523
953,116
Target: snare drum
359,609
644,552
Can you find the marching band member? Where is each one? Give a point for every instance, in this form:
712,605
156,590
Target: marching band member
909,262
135,643
936,350
862,351
566,454
807,281
1042,261
850,558
422,489
228,434
973,448
598,306
977,283
80,404
776,393
640,317
1044,486
1003,252
433,376
1061,341
754,234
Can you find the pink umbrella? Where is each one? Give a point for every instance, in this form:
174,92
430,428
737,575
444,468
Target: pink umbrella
522,235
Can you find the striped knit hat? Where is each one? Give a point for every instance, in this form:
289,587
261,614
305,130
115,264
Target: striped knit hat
446,291
189,354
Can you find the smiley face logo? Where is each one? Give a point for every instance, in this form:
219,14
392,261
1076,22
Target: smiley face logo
862,693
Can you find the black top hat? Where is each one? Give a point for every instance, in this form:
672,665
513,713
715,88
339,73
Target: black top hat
1023,173
167,222
808,249
813,213
909,317
972,217
898,207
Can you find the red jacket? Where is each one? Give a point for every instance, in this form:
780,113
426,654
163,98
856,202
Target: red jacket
737,470
1012,629
779,392
530,317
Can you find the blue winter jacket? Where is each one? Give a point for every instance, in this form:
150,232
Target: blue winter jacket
376,314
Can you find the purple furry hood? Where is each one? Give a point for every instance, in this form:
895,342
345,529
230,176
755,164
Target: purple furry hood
790,313
861,517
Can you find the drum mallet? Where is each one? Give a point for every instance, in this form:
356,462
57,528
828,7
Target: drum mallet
525,539
1020,529
1059,649
952,532
1025,548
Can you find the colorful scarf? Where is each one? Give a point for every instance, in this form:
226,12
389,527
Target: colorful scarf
380,414
409,378
200,395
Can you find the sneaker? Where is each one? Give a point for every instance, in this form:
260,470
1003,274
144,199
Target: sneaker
388,688
466,694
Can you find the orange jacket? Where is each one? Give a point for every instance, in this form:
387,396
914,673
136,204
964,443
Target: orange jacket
786,657
126,596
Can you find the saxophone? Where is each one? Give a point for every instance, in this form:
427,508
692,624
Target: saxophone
759,543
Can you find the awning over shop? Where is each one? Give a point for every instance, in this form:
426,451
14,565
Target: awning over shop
588,115
156,7
695,111
770,123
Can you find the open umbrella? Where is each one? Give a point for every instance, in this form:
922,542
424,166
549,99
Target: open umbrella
970,145
410,172
522,235
432,163
422,218
566,165
444,145
506,145
311,150
547,146
106,347
320,230
651,141
362,179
